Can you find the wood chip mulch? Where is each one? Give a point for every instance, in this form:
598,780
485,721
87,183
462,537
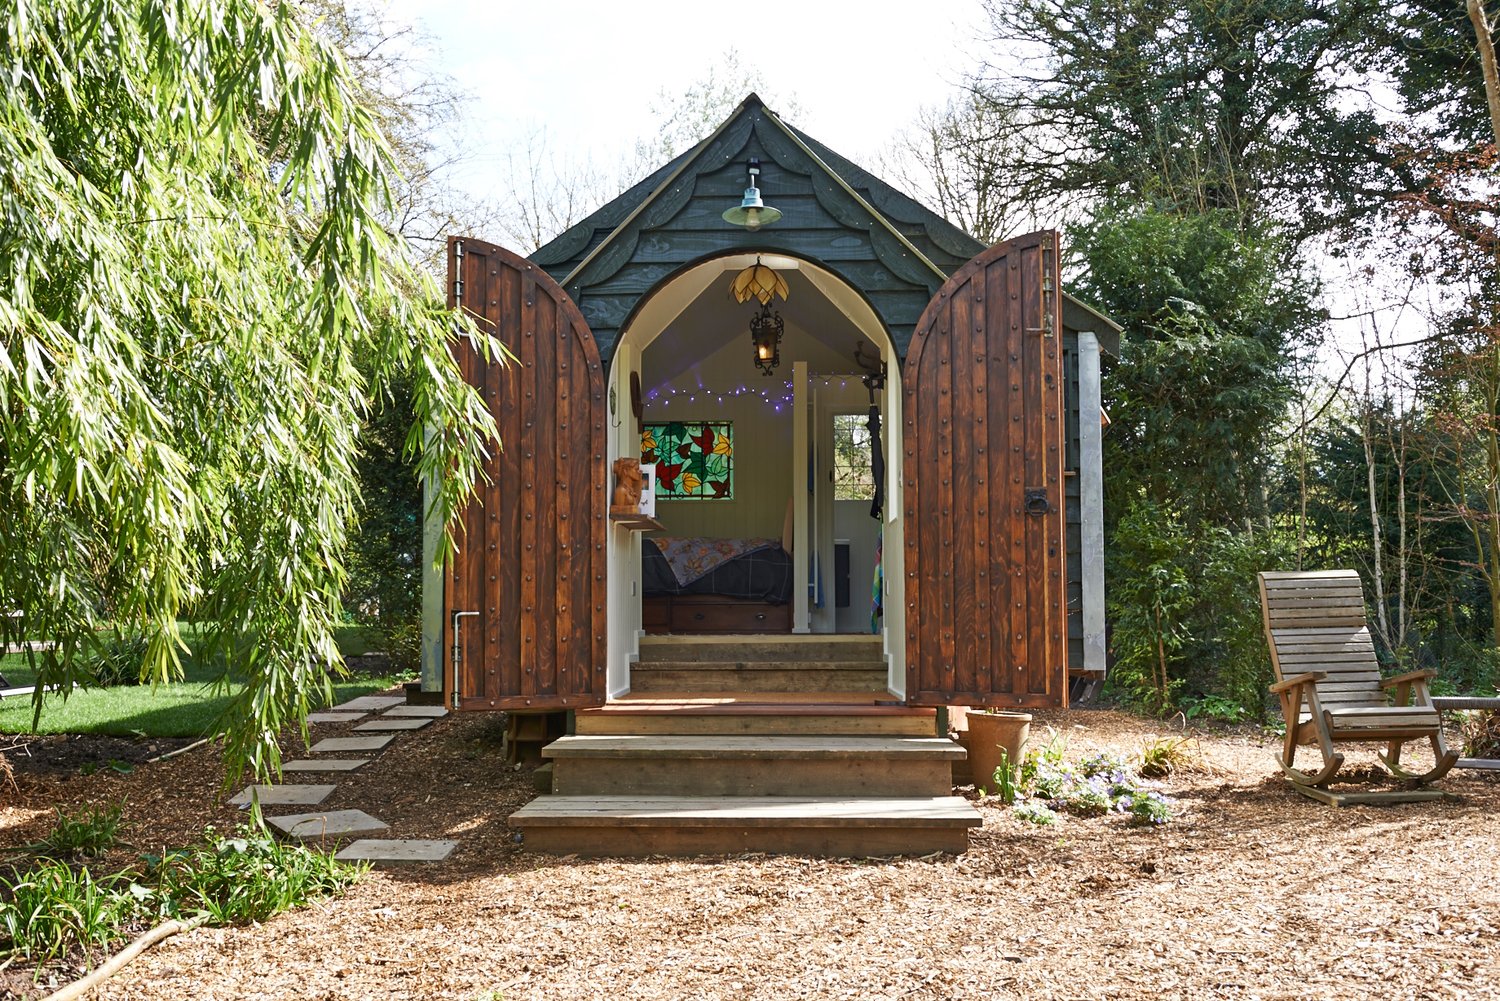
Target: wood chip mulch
1255,892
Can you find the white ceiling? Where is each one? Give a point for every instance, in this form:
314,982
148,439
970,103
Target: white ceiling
700,320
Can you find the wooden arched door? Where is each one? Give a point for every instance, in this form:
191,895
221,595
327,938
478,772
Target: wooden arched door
523,599
983,500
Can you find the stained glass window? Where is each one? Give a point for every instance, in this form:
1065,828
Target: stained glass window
694,459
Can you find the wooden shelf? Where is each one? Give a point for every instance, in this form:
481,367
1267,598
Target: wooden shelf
637,522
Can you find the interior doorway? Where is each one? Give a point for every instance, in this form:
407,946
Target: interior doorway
857,527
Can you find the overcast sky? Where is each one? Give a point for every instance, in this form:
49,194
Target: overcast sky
589,71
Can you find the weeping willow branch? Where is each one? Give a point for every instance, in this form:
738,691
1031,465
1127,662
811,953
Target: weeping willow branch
221,486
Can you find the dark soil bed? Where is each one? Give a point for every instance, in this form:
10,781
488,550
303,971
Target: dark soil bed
82,753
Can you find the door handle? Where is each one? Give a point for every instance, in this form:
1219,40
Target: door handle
1036,502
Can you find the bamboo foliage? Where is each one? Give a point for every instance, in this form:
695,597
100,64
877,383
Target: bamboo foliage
193,252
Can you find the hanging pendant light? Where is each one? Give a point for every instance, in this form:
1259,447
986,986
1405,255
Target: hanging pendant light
751,212
758,282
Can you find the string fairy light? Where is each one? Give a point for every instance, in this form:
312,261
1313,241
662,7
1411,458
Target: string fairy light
775,397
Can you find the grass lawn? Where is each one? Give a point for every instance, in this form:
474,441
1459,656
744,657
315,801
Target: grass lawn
188,708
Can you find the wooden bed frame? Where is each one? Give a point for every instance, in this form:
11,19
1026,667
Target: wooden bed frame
712,613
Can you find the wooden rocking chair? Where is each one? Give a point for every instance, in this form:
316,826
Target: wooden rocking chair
1329,682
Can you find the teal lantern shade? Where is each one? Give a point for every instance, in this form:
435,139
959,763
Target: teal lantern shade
751,212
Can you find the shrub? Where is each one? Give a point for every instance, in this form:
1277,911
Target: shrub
90,831
1034,812
1161,756
1149,808
1216,708
52,908
1099,784
1087,798
116,661
247,878
1185,610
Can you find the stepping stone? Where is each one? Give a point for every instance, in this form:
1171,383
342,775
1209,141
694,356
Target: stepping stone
324,764
370,703
377,725
396,852
424,712
329,744
333,717
329,824
283,795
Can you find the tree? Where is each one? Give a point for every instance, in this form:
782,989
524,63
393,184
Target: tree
196,250
686,117
1213,324
420,111
1434,46
960,158
1256,107
547,194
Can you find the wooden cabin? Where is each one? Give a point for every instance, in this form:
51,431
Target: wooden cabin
875,489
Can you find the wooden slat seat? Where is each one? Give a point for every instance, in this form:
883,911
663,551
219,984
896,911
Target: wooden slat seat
1366,716
1329,681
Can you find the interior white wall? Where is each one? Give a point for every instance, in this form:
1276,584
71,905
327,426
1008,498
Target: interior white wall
802,528
623,580
894,557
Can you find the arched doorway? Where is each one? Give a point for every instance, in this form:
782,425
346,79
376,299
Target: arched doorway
687,348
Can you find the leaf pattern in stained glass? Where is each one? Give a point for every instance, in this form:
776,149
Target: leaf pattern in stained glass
694,459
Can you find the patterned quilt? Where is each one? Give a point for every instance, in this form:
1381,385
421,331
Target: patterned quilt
693,558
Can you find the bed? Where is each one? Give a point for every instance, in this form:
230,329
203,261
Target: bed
698,585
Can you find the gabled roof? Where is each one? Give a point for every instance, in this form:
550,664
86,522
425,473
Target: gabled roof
890,247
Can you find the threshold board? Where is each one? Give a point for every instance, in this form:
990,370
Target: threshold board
727,747
746,811
683,826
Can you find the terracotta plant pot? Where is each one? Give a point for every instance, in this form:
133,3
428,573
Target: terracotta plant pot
989,734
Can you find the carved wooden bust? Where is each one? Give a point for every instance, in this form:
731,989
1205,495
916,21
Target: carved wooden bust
628,480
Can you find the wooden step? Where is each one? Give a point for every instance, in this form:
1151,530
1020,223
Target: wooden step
636,826
745,714
741,648
746,676
716,765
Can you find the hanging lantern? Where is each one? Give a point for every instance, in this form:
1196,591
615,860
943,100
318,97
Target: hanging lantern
766,329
